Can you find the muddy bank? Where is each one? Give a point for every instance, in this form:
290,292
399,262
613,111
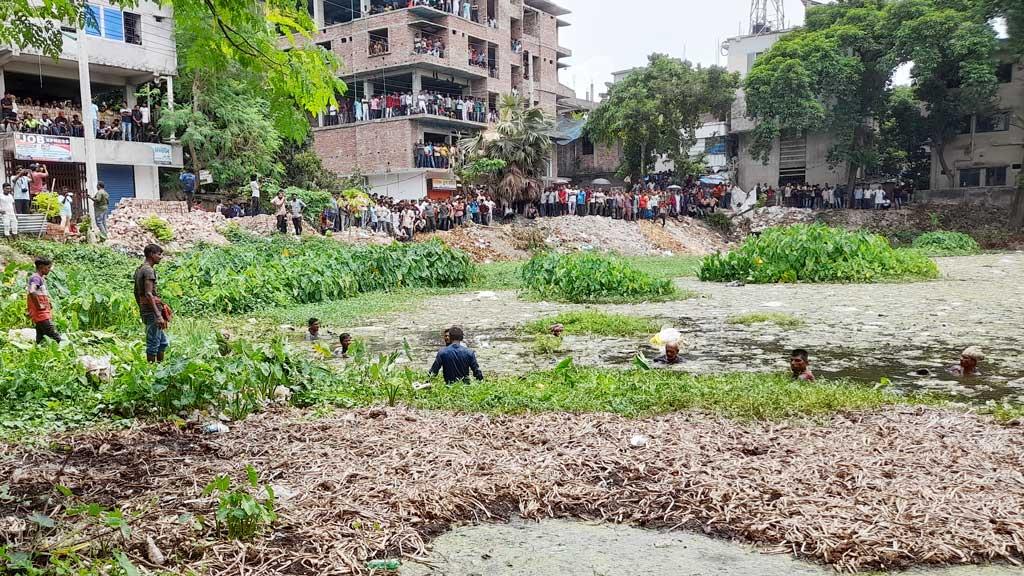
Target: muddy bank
866,332
896,488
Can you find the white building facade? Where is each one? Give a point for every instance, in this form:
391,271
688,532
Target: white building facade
126,48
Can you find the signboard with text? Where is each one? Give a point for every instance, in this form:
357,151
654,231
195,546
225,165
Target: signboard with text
42,147
162,155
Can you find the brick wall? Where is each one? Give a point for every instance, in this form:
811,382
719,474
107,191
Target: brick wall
368,147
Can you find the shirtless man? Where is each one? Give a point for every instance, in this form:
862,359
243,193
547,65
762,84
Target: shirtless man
800,365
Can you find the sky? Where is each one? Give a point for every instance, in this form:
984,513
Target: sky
608,36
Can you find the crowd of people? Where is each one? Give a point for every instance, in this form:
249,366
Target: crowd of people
640,203
431,45
431,155
62,118
379,46
818,197
399,104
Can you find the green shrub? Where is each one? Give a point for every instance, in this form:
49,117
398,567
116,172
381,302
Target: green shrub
258,274
585,277
594,322
946,244
719,221
158,227
544,344
46,203
816,253
239,510
316,201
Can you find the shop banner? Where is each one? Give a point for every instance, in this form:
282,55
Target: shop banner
42,147
162,155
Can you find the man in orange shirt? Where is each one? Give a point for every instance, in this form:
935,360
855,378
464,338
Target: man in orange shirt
39,307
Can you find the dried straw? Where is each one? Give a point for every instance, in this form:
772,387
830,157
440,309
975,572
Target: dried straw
887,489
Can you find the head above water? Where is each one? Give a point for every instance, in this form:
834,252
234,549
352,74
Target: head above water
672,351
970,358
454,334
799,361
346,340
314,325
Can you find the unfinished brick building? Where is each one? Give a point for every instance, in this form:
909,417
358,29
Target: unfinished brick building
473,51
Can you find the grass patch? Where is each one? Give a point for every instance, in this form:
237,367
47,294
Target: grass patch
498,276
780,319
350,311
594,322
508,275
636,393
667,267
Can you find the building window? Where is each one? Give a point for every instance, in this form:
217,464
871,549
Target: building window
751,58
998,122
995,176
112,24
588,147
132,28
379,44
970,177
1004,72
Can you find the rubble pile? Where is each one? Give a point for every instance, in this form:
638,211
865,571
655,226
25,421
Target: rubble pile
572,233
190,228
769,217
686,236
482,243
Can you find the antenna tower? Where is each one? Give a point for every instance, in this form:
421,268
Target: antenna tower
766,16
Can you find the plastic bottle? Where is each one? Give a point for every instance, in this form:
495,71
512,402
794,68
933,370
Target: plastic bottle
390,565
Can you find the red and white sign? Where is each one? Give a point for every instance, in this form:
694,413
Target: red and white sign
42,147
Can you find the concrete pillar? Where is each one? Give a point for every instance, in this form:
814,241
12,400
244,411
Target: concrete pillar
417,82
129,94
364,6
318,13
367,89
3,81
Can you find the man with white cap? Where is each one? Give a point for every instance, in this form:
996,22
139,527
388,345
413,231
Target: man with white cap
969,360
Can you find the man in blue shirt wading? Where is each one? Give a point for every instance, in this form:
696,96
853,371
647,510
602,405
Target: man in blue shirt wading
455,359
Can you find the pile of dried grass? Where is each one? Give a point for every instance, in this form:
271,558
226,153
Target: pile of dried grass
883,490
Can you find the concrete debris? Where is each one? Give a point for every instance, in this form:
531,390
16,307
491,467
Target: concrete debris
190,228
763,218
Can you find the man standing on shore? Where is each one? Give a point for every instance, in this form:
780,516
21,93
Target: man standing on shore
155,315
39,308
188,186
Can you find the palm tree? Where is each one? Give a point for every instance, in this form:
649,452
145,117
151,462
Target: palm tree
522,140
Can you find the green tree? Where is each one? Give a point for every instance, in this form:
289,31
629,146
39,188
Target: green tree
656,111
221,37
954,75
829,76
903,136
522,141
226,129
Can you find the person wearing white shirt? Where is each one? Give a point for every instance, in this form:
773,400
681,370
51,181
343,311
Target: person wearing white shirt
254,199
858,197
8,219
879,198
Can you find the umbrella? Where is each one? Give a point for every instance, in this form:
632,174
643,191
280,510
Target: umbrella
675,187
601,182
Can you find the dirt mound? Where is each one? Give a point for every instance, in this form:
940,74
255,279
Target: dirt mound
760,219
190,228
573,233
890,489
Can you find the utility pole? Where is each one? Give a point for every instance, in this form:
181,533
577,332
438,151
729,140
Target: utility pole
88,120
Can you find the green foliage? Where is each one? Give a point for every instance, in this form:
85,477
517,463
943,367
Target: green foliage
816,253
523,143
780,319
594,322
590,278
158,227
833,75
240,509
545,344
481,170
260,274
316,201
90,287
719,221
46,203
656,110
946,244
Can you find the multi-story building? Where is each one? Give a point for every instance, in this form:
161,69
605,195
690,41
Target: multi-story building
990,148
126,49
794,158
469,52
